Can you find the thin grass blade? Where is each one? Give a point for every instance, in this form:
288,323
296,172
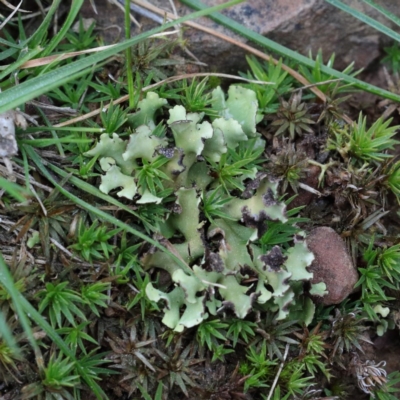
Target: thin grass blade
73,12
366,19
383,11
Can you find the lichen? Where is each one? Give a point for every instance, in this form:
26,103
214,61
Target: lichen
231,272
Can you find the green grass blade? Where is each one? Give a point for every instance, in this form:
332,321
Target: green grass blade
383,11
14,66
37,86
37,38
5,54
7,282
103,215
73,12
6,335
128,56
14,190
284,51
53,132
10,44
366,19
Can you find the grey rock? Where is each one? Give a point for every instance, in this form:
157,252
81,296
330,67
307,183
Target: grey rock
301,25
332,264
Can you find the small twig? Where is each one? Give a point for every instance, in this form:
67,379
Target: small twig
120,5
317,84
40,6
63,249
279,372
38,199
50,107
30,16
143,12
6,3
310,189
31,180
10,16
195,75
214,284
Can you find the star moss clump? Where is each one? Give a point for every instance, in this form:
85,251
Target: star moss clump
190,158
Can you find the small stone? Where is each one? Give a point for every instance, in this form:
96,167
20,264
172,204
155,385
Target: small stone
332,264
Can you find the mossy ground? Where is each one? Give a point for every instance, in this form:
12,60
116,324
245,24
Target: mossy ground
237,198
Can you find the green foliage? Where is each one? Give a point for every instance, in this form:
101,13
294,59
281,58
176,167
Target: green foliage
268,95
149,176
236,164
84,39
219,353
281,233
381,264
242,329
208,332
10,355
140,296
258,366
316,74
212,203
389,263
60,301
71,94
393,180
93,243
293,378
364,144
113,118
196,97
58,378
92,296
392,57
58,373
76,335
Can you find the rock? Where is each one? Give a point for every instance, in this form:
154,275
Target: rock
332,264
302,25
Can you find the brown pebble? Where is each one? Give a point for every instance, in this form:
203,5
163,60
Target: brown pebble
332,264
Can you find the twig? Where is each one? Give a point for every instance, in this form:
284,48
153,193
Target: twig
120,4
310,189
30,16
10,16
279,372
317,84
6,3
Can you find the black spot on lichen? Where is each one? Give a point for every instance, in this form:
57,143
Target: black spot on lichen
274,259
255,221
269,198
